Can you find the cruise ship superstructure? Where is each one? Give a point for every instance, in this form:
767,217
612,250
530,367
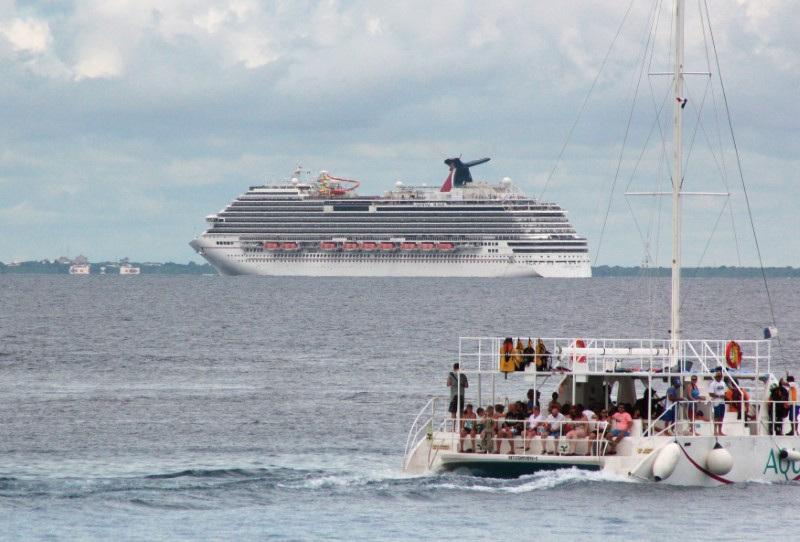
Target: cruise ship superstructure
463,229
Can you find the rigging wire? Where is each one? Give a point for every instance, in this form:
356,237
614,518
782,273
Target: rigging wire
744,187
586,101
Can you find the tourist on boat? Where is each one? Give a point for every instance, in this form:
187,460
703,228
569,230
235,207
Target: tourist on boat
481,413
673,397
457,383
499,412
738,400
554,402
778,406
579,431
622,428
536,426
542,356
528,354
599,433
507,364
512,427
794,407
469,421
488,425
692,396
533,399
554,423
651,400
716,390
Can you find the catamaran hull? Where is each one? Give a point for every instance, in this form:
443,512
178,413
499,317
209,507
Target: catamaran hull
752,459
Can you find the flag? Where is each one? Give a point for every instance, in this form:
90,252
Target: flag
770,332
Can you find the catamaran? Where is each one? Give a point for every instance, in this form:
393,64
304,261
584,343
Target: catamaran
752,440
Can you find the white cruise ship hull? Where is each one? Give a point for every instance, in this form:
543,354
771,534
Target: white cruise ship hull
230,260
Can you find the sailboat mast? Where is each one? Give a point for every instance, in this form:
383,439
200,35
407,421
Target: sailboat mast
677,181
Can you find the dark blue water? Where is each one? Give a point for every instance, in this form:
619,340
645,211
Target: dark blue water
252,408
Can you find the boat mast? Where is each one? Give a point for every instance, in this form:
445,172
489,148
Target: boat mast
677,182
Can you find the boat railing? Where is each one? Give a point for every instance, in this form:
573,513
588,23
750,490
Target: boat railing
483,355
596,446
423,424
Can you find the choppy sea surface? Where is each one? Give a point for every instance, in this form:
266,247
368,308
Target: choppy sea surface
257,408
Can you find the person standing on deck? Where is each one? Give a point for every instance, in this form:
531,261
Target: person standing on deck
794,394
671,407
716,390
457,384
692,395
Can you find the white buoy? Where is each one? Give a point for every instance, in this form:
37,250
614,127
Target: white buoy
666,461
791,455
719,460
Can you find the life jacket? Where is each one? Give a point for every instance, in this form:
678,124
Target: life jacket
507,363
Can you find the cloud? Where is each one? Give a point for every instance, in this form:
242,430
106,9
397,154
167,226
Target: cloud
26,213
170,109
32,36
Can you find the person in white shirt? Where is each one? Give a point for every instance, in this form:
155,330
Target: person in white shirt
554,422
536,426
716,390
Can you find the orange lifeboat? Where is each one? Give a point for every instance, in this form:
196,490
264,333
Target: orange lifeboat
387,246
350,245
369,245
290,246
427,246
327,245
445,246
408,246
269,245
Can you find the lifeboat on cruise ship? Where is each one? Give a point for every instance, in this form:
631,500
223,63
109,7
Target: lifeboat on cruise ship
290,246
328,245
445,246
408,246
269,245
387,246
427,246
350,245
369,245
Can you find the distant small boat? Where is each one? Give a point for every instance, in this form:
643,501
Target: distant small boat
128,269
79,269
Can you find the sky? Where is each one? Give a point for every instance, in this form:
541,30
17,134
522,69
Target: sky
125,122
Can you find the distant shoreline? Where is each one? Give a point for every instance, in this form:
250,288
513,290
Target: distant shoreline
191,268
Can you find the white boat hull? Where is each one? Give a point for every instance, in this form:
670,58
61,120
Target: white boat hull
232,260
754,458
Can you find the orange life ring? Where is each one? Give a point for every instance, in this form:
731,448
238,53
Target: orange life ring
579,344
733,354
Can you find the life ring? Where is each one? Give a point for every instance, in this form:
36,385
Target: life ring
579,344
733,354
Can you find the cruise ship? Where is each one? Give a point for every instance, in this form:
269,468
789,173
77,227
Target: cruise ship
324,228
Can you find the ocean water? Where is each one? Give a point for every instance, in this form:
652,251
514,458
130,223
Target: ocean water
257,408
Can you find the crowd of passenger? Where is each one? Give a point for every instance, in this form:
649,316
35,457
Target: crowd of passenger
486,429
